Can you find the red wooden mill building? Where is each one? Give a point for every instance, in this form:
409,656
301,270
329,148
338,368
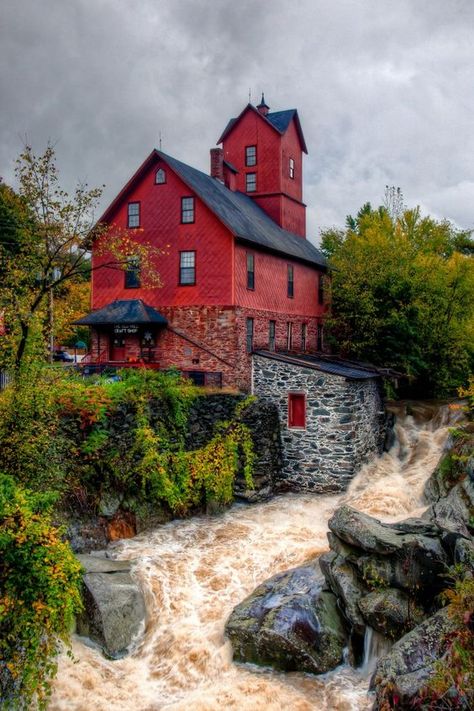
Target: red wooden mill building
238,273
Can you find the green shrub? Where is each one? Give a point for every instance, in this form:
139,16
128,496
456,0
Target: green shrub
39,595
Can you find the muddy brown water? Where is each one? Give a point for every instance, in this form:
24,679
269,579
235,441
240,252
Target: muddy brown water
194,571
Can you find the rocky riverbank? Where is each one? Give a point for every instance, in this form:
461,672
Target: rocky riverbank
377,576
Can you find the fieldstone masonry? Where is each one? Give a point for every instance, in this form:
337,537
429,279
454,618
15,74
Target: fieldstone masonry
345,423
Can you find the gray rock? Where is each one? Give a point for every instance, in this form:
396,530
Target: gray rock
342,579
414,560
363,531
391,612
99,564
455,511
114,608
410,663
290,623
109,503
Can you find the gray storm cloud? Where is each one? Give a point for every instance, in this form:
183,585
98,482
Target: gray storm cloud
384,90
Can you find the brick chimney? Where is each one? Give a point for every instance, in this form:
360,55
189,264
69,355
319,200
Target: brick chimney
217,164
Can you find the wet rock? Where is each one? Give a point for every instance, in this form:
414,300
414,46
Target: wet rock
410,663
391,612
363,531
414,557
342,579
290,623
114,608
454,512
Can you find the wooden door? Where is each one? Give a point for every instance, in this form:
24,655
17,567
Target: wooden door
117,348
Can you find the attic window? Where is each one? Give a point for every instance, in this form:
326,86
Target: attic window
187,210
160,176
133,214
251,182
250,155
291,168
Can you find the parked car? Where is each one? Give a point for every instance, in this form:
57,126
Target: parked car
63,356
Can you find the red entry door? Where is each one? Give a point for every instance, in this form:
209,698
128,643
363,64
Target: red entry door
117,348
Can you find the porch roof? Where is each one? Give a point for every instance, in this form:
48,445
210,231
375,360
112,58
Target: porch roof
128,311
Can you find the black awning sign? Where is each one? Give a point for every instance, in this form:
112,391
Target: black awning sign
127,328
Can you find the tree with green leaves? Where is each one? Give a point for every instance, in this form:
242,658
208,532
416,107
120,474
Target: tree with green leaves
45,240
403,294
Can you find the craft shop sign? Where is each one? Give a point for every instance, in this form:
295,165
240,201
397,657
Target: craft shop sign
125,328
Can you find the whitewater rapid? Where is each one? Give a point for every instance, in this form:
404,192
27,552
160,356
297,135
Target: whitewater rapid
193,572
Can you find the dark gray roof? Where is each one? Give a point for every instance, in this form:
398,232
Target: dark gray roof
129,311
281,119
335,367
243,217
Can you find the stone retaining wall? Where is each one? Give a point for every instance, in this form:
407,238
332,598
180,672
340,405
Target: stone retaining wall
344,424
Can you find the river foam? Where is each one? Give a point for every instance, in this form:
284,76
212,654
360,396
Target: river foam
193,573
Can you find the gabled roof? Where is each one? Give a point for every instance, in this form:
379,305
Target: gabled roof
243,217
237,211
127,311
278,120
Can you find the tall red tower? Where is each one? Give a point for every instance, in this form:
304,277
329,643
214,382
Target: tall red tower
266,149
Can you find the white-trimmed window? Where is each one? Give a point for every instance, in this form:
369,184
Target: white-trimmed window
187,210
250,155
291,168
187,268
251,182
160,176
133,214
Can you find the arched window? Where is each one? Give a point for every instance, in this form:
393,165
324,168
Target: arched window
160,176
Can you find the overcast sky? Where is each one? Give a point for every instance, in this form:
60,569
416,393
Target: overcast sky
384,90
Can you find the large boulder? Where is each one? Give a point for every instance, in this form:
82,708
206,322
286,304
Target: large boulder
402,673
391,612
114,608
407,555
289,622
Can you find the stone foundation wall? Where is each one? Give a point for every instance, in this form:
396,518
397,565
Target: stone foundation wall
344,424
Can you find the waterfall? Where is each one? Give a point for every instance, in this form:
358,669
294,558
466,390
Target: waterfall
193,573
375,646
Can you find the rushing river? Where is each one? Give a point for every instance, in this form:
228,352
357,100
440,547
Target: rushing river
195,571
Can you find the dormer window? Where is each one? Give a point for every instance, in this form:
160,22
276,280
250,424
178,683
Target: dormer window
250,155
291,168
251,182
160,176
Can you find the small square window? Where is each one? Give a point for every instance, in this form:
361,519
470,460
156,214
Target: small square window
251,182
187,268
133,214
250,271
250,155
297,410
187,210
291,283
291,168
